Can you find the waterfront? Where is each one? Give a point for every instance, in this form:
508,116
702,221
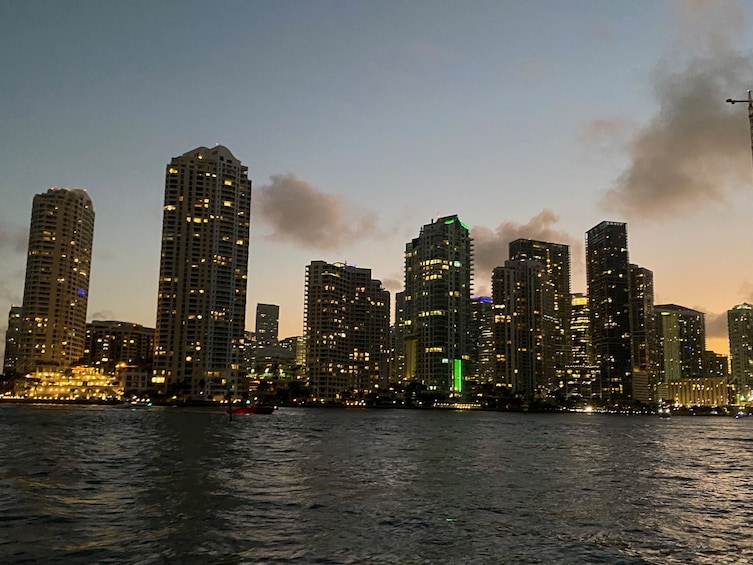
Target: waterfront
100,484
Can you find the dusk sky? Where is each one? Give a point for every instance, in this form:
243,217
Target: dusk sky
362,121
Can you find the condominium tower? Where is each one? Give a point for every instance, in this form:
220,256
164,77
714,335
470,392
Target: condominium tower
681,337
740,326
110,343
267,324
347,326
609,308
555,259
482,339
437,306
580,330
642,333
12,341
524,327
56,290
201,302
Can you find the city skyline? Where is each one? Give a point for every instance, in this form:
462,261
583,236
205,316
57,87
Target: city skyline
353,143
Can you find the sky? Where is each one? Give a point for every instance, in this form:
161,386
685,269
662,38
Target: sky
361,121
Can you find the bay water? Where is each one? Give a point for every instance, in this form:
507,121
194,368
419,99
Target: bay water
102,484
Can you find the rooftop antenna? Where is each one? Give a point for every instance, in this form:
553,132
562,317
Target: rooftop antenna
750,114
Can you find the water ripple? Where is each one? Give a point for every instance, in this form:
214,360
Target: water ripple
103,485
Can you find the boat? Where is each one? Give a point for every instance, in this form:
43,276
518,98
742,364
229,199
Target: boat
252,409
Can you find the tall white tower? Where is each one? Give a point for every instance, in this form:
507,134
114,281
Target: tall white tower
201,304
56,290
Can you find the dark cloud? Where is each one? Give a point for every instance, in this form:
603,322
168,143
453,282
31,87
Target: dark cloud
716,325
490,246
299,213
103,315
696,149
14,239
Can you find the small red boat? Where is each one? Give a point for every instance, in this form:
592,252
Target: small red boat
252,409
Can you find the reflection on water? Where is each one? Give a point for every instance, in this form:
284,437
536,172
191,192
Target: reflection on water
102,484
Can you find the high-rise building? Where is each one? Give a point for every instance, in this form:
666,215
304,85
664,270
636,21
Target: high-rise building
112,343
201,304
580,331
740,327
56,290
582,374
482,339
715,364
681,336
555,258
267,324
608,284
399,370
437,306
525,326
642,333
12,341
347,325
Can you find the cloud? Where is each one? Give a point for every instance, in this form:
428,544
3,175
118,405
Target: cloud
14,239
300,214
393,284
696,149
490,246
746,291
606,132
716,325
103,315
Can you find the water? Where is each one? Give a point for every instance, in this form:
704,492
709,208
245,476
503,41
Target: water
170,485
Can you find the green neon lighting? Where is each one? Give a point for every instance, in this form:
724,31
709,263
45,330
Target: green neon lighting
453,218
457,374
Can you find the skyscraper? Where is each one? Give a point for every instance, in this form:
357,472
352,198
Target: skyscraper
608,296
347,326
437,306
201,303
399,360
267,324
525,327
12,341
482,339
580,330
681,334
555,258
582,375
740,327
642,333
56,290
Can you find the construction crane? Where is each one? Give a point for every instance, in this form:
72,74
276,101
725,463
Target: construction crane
750,114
